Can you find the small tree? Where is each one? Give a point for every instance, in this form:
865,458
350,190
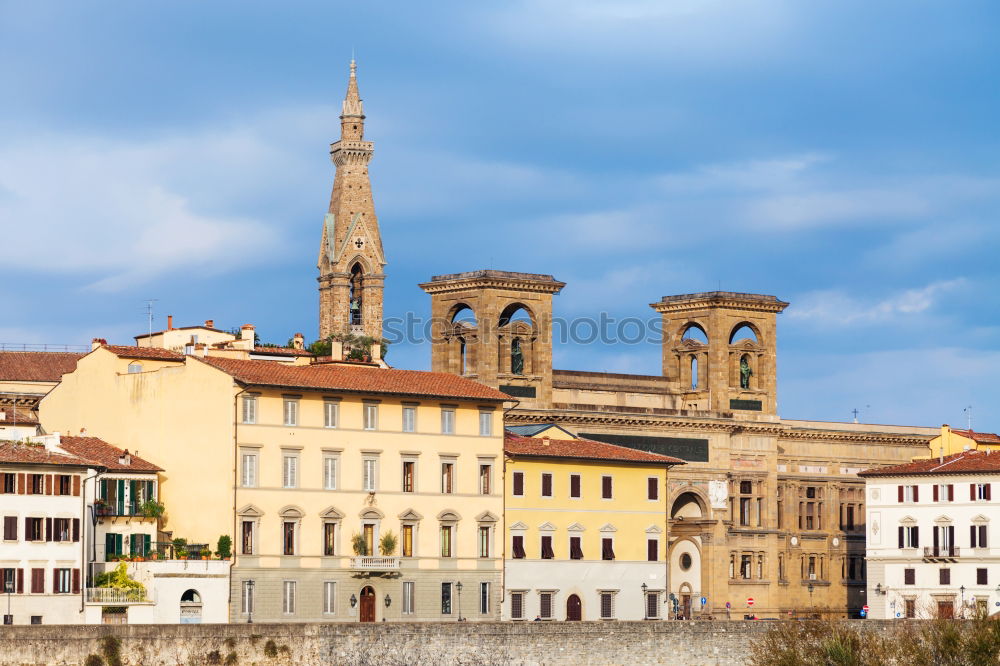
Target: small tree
387,544
359,544
224,548
119,579
152,509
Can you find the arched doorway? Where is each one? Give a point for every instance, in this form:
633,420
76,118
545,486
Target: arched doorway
190,607
367,604
574,609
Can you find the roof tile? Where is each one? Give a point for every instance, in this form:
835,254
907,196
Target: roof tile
30,366
966,462
586,449
98,451
144,353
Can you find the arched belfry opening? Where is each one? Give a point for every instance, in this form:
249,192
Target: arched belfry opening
495,326
357,297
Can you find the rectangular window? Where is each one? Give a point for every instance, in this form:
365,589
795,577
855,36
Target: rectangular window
652,488
517,547
546,485
368,473
33,530
545,605
518,483
407,545
371,416
446,598
409,418
290,470
546,549
485,478
291,411
944,576
447,420
10,528
248,469
908,494
329,539
575,548
249,409
246,537
63,485
909,536
485,424
61,529
484,541
653,605
909,576
247,597
36,484
446,541
607,606
331,413
408,601
38,581
517,605
62,581
409,474
910,608
652,550
607,549
746,561
329,472
8,483
606,488
574,485
981,577
329,597
484,598
288,597
447,477
288,537
980,491
745,511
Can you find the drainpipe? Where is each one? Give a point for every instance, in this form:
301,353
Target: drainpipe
503,506
85,564
236,479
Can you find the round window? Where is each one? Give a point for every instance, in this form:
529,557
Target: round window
686,561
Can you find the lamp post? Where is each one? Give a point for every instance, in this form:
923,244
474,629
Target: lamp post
961,603
458,586
812,606
645,608
388,602
250,587
9,587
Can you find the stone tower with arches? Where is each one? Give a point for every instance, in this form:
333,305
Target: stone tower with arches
351,262
495,327
719,350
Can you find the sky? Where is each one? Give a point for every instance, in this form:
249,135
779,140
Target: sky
839,154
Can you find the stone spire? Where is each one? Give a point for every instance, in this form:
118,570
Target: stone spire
351,263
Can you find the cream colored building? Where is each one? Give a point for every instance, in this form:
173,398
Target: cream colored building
294,461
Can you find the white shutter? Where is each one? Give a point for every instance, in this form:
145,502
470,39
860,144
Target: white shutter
330,473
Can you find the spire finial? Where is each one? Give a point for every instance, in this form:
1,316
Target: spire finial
352,101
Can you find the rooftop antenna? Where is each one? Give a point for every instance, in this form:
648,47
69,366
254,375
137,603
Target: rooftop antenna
968,416
149,313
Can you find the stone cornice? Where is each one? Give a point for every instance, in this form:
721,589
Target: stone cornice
536,282
719,299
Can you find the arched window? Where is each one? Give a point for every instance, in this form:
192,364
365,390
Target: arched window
134,367
694,371
461,356
696,333
741,333
356,300
191,597
516,312
464,315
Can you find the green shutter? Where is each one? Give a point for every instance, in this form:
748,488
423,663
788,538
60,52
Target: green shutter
121,497
118,544
146,544
109,545
102,492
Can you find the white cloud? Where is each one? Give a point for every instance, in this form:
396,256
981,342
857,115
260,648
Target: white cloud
836,308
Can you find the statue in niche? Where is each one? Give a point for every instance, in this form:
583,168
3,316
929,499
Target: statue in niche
745,373
516,357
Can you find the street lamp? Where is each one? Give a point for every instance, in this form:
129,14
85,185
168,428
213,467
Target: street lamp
388,601
645,607
961,603
250,586
9,586
354,601
458,586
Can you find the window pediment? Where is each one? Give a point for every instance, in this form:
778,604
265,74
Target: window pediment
487,517
371,514
250,511
980,519
449,516
331,513
547,527
943,520
576,527
518,526
291,512
654,529
908,521
410,515
609,528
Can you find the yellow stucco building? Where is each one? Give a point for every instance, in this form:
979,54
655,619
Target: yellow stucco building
586,530
298,461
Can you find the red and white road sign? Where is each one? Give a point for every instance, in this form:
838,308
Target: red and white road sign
749,601
865,608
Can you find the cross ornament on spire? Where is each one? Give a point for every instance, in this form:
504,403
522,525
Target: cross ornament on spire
359,243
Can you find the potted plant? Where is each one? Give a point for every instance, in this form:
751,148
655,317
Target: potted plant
224,548
180,549
359,545
387,544
152,509
205,553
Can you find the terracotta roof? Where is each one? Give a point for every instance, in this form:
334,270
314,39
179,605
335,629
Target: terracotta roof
30,366
100,452
36,454
18,415
981,437
345,377
966,462
586,449
281,351
144,353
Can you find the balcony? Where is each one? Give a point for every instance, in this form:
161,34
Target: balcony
112,509
941,553
112,596
375,563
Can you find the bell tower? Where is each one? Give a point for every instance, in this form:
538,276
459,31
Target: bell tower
351,262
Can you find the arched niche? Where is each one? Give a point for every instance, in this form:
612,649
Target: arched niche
688,505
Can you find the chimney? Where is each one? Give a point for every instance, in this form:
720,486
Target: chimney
298,341
83,432
209,323
170,322
97,342
247,332
125,458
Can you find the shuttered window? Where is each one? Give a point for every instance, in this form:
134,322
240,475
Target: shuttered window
606,488
329,597
909,576
574,485
447,420
291,411
371,416
652,488
288,597
546,485
517,547
547,553
368,474
518,483
652,550
607,549
38,581
290,470
485,424
409,418
982,578
248,467
10,528
331,412
330,472
408,600
249,409
575,548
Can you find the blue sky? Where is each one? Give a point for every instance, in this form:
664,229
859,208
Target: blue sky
840,155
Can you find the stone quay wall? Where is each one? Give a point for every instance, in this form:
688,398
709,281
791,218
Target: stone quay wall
413,644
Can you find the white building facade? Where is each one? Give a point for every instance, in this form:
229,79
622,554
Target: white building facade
933,542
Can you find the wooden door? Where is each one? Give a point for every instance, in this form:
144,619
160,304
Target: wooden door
368,605
574,610
686,606
946,610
